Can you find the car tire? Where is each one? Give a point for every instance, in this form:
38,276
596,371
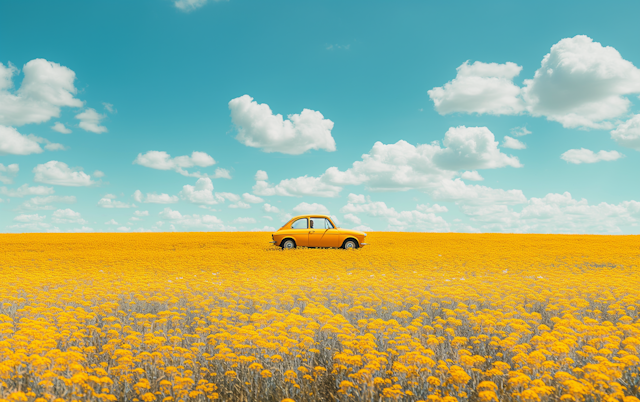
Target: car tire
350,244
288,244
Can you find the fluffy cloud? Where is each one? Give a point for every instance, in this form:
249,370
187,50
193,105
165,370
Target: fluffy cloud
315,208
627,134
98,174
161,160
353,219
356,198
252,199
258,127
190,5
29,218
520,131
161,199
268,208
58,173
141,213
201,193
264,229
583,155
297,187
10,170
14,143
111,222
109,201
43,203
513,143
59,127
462,193
240,204
67,216
424,218
471,175
90,121
581,84
25,190
480,88
193,221
244,220
556,213
45,88
124,229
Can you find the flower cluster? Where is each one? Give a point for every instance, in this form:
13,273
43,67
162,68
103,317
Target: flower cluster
412,317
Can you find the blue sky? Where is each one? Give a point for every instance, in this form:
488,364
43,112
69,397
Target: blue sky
387,116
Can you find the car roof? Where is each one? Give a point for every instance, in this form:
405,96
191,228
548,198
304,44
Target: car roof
311,216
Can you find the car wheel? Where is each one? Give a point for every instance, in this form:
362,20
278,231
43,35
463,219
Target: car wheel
350,244
288,244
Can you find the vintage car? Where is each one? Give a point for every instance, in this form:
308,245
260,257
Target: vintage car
316,231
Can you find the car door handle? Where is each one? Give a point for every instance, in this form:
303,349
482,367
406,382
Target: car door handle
312,231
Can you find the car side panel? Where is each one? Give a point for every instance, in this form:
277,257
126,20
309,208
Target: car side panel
301,236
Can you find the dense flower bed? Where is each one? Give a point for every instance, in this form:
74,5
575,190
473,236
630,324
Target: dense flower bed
412,317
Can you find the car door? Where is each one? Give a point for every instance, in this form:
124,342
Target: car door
322,234
300,232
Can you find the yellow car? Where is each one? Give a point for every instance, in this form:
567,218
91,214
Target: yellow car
316,231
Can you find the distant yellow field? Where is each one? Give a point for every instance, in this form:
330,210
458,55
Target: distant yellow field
431,317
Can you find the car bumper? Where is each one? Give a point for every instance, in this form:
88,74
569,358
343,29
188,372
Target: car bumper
364,244
272,242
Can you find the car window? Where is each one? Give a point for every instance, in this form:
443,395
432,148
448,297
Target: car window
300,224
321,223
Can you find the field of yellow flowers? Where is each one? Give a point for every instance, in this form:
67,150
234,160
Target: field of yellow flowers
412,317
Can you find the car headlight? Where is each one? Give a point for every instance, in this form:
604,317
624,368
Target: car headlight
365,235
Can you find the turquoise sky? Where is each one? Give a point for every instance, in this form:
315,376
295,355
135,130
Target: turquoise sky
388,116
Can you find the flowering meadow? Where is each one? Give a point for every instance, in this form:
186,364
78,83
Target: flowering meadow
227,316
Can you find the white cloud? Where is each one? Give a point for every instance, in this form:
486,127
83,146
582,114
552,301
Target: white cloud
261,175
471,175
59,127
11,170
161,160
141,213
258,127
315,208
67,216
25,190
297,187
240,204
520,131
82,229
270,209
403,166
98,174
269,218
29,218
435,208
513,143
161,199
109,107
111,222
108,201
356,199
252,199
460,192
45,88
480,88
244,220
627,134
353,219
201,193
137,196
124,229
90,121
264,229
14,143
54,172
582,155
34,226
363,228
51,146
190,5
194,221
424,219
556,213
581,84
42,203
